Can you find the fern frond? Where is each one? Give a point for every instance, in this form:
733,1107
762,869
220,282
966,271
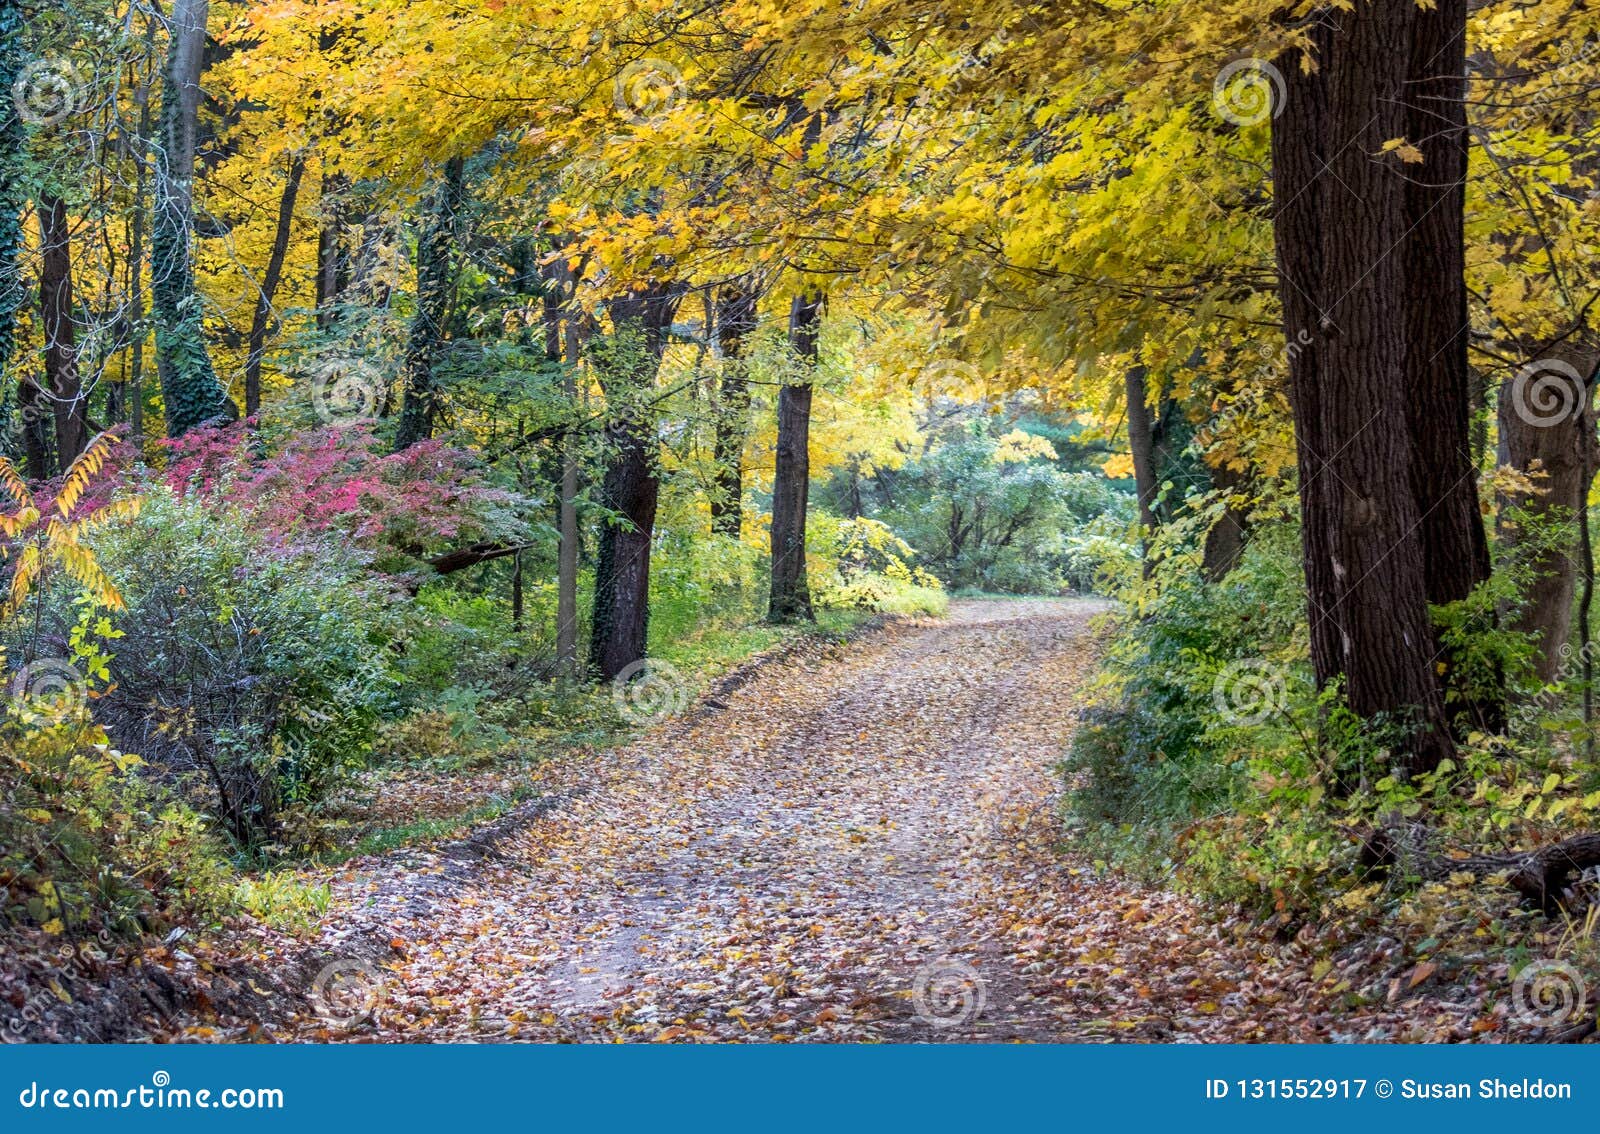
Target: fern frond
16,487
127,508
83,470
29,564
80,565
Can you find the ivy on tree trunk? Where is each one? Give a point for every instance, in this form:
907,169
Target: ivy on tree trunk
189,384
13,196
434,278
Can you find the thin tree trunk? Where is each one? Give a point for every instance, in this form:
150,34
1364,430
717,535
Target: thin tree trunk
332,259
1563,446
559,283
619,631
1224,545
136,223
791,485
261,322
13,198
1141,444
1342,209
516,594
60,338
435,271
190,388
736,320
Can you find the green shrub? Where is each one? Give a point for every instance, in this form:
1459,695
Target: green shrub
256,667
698,579
453,638
1200,678
990,507
86,842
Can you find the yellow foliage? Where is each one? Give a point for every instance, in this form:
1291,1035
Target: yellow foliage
56,542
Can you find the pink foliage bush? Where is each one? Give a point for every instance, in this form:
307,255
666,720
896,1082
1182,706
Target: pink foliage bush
396,507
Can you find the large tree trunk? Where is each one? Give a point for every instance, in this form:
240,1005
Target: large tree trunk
1341,212
1546,422
60,338
190,389
435,275
1438,384
1141,444
790,599
736,320
261,322
627,367
189,384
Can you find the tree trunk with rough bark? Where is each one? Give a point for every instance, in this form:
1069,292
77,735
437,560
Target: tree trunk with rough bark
1141,445
1342,208
564,336
1438,383
189,386
1224,544
60,338
1547,425
626,366
790,599
333,259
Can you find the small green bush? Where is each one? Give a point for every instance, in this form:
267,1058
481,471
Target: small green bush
86,842
257,667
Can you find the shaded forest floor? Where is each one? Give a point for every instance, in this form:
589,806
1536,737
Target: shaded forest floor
858,842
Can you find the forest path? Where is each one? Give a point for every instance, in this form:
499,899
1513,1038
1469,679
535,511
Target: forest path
859,843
